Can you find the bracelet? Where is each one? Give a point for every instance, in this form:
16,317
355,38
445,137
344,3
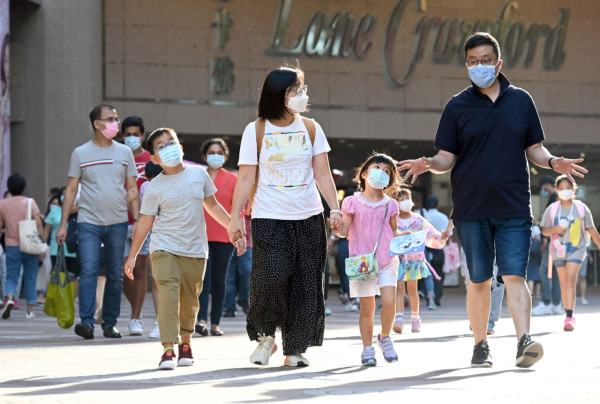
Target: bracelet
339,212
550,162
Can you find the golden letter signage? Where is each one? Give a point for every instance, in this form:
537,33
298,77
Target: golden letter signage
343,35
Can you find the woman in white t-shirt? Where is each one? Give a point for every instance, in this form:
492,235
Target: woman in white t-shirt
288,227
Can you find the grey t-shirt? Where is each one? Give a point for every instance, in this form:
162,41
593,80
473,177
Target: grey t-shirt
177,202
102,172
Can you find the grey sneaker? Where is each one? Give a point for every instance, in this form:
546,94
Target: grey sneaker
368,356
481,355
387,348
528,352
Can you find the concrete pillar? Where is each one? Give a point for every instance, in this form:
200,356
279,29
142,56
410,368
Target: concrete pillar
57,61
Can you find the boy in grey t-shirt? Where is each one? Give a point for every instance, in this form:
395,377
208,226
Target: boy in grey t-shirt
174,204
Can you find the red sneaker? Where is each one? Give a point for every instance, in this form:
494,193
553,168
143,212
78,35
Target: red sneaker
185,355
167,361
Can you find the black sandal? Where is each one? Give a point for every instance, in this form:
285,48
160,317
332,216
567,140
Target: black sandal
201,329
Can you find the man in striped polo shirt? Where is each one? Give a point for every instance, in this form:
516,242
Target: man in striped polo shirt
101,166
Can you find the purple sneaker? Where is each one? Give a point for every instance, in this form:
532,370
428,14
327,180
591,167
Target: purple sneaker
368,356
387,347
416,324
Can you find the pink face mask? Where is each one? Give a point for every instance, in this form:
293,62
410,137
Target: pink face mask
111,129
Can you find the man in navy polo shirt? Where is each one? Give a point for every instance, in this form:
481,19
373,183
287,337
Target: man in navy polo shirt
485,135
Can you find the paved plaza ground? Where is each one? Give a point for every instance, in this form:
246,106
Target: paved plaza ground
41,363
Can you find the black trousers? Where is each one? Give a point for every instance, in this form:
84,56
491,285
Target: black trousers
286,284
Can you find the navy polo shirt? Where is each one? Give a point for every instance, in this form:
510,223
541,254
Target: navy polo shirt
490,177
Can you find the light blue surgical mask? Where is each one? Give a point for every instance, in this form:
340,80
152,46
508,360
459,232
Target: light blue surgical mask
378,179
215,160
133,142
171,156
544,193
482,76
54,207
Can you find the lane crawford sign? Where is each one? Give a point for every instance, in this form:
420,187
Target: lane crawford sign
343,35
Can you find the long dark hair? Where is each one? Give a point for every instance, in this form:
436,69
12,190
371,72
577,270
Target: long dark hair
271,104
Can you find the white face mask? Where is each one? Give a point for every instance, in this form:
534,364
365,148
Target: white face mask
565,194
298,103
133,142
406,205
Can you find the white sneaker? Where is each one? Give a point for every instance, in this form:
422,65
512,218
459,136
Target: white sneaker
136,327
296,361
327,311
431,305
557,309
266,347
155,333
351,307
541,309
29,314
584,301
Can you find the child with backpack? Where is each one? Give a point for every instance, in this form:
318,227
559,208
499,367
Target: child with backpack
568,222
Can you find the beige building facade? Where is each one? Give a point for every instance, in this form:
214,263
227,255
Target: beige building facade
379,72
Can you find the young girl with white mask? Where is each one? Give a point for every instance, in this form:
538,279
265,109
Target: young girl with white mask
369,220
413,266
568,222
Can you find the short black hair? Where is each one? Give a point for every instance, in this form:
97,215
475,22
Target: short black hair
271,104
210,142
156,133
152,170
546,180
16,184
96,112
133,120
432,201
482,38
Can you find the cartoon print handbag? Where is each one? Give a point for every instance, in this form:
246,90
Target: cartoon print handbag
365,267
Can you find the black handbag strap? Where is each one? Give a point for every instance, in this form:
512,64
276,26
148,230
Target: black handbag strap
387,207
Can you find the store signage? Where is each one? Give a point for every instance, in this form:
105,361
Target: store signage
344,35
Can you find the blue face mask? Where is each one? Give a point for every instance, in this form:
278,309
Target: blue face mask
378,179
215,160
54,207
544,193
171,156
482,76
133,142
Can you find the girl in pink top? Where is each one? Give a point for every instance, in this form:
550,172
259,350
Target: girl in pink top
363,218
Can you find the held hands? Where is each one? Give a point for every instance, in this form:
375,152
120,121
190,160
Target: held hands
240,246
568,167
335,221
128,267
414,167
235,230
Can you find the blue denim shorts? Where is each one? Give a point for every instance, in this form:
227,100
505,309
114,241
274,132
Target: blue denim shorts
506,240
562,263
145,250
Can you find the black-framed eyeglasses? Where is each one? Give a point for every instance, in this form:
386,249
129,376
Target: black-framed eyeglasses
484,62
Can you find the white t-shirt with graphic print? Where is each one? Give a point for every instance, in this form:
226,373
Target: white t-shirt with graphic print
286,183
